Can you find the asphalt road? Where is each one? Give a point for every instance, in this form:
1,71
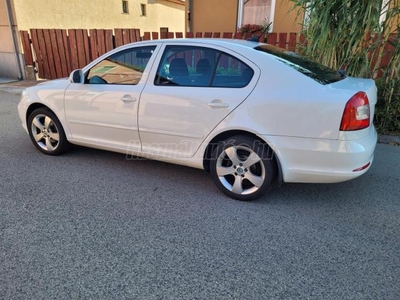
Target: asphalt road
92,225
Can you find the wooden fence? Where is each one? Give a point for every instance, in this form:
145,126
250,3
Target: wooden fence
55,53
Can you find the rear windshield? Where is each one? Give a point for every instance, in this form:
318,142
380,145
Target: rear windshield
316,71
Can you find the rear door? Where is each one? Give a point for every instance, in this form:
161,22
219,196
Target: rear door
192,89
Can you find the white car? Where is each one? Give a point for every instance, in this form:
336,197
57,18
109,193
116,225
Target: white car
249,113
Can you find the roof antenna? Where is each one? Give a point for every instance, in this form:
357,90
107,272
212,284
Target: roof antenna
256,38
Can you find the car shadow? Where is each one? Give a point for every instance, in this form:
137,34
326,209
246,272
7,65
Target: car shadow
199,182
195,182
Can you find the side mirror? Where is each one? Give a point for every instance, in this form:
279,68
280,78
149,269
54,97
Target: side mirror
76,76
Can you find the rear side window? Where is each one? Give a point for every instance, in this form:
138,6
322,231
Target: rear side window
316,71
231,72
201,67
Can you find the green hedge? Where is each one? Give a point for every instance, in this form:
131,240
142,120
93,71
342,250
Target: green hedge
387,110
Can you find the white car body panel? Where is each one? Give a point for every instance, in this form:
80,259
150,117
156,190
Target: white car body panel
175,124
50,94
103,114
100,116
175,120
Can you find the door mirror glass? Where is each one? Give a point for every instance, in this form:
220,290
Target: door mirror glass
76,76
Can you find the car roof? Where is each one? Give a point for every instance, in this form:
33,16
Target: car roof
212,41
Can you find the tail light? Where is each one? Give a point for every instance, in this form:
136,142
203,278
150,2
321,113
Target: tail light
356,115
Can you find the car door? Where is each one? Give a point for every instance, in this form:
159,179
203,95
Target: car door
192,89
103,110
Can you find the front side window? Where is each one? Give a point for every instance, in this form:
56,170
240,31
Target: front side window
202,67
124,67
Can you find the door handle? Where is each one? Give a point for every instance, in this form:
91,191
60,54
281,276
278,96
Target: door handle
127,99
218,104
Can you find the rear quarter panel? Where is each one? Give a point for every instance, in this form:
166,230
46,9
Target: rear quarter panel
288,103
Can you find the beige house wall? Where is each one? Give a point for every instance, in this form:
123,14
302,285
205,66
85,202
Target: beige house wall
6,45
99,14
221,16
213,16
285,19
8,59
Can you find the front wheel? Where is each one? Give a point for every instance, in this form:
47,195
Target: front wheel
243,168
46,132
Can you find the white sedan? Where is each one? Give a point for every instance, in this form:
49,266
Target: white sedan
249,113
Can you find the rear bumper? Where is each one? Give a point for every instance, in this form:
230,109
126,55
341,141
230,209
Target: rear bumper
323,161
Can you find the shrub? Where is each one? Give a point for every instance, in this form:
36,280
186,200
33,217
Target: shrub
255,29
387,110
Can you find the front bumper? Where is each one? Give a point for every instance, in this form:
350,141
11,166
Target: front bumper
22,109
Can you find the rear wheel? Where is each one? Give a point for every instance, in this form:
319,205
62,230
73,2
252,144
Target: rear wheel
46,132
243,168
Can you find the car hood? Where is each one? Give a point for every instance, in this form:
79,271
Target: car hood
51,82
51,85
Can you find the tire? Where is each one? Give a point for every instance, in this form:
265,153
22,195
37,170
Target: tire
243,168
46,132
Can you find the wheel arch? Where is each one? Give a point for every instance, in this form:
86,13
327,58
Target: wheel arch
33,107
225,135
63,144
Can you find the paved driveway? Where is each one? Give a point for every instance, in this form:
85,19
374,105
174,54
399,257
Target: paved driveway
92,225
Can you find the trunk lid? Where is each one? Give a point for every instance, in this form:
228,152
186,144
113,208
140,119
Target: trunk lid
355,85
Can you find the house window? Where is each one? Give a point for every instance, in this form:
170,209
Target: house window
125,9
384,10
260,12
256,11
143,10
307,13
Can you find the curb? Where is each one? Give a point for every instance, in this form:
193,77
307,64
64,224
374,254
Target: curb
16,87
393,140
11,90
7,80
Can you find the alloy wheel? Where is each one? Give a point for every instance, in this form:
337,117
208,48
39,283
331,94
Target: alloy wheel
45,132
240,170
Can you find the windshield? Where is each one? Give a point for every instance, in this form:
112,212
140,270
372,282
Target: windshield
316,71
